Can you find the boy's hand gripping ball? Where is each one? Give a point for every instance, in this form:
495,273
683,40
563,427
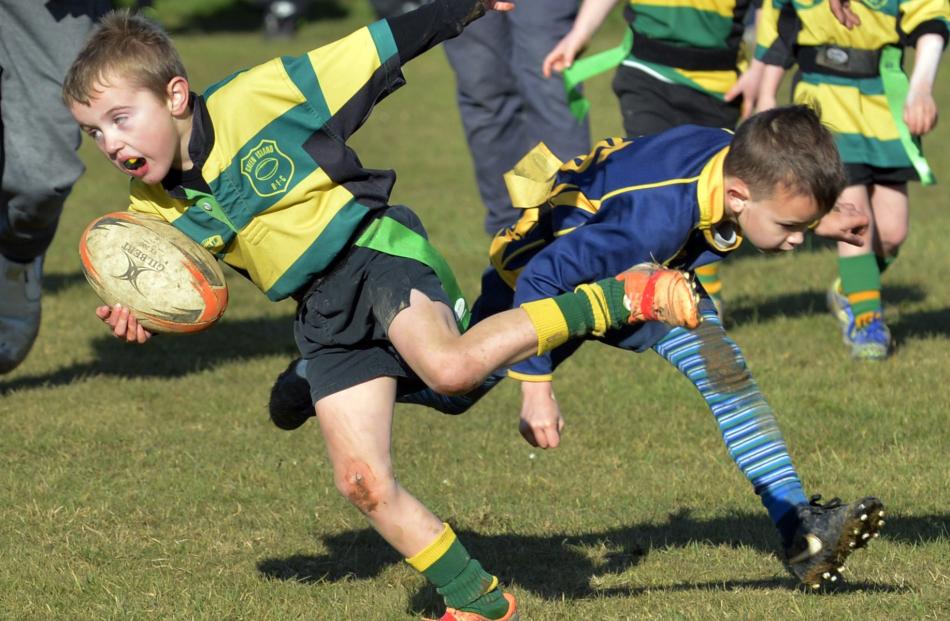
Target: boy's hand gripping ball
655,293
170,283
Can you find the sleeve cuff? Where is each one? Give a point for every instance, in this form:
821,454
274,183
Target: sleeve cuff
524,377
934,26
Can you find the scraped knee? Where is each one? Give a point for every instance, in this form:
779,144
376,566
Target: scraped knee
363,487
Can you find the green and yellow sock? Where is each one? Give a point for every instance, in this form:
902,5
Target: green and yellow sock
708,277
459,578
861,284
590,309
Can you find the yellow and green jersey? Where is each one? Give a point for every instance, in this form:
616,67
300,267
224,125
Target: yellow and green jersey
852,103
275,192
695,43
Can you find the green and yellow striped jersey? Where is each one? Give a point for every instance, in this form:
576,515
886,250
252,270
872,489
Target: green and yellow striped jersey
276,193
702,26
854,108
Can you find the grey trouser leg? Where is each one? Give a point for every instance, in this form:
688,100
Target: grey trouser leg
38,161
506,105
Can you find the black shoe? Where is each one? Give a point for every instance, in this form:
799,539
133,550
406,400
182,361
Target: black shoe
827,534
290,404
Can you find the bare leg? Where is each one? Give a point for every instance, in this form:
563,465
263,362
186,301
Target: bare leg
858,196
425,335
357,428
891,218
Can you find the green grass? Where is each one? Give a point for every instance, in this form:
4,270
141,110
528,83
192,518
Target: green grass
148,483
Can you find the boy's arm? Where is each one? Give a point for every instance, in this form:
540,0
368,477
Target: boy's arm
356,72
844,223
924,25
769,83
589,18
431,24
748,83
920,109
777,29
541,421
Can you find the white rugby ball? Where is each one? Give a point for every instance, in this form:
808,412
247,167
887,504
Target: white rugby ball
170,283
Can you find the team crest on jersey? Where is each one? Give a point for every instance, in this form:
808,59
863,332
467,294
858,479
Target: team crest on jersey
267,168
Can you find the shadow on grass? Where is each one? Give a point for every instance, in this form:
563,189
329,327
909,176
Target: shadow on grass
563,565
60,281
171,356
809,302
920,325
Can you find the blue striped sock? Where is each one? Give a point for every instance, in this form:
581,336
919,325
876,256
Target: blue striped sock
715,365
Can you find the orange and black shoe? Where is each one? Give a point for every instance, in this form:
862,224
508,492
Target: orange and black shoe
655,293
451,614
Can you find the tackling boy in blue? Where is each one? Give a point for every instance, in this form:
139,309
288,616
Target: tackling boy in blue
683,198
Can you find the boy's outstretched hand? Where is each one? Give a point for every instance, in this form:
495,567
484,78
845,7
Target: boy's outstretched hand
498,5
123,324
541,421
920,112
846,223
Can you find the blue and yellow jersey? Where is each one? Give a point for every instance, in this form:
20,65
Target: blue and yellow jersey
853,106
695,43
655,198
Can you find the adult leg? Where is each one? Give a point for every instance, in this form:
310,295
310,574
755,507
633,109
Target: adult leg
38,163
536,27
491,109
40,137
357,428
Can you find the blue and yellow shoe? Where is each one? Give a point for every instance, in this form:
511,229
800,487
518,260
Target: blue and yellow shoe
839,306
871,341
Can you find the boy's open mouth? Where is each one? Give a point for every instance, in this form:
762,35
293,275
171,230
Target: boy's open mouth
134,163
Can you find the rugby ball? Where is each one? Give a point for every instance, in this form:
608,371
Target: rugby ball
170,283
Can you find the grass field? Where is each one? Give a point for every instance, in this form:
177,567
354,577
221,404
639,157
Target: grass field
148,483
